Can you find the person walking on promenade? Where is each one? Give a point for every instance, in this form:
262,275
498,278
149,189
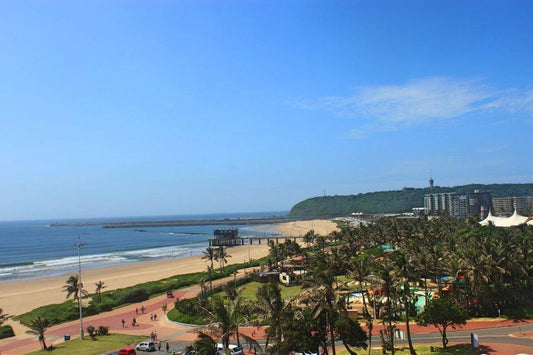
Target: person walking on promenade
168,347
136,310
123,323
134,322
142,309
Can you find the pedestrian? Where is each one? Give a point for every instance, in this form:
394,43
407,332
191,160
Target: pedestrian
136,310
133,322
155,334
123,323
155,316
168,347
142,309
159,345
151,316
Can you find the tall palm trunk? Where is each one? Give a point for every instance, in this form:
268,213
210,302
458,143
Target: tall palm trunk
331,326
390,330
41,338
267,341
407,327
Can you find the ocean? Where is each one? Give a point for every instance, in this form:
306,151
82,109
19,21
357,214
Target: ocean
35,249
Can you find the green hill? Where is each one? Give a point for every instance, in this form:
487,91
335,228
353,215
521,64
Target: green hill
394,201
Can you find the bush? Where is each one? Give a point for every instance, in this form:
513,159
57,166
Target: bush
104,305
132,296
90,330
103,330
177,316
61,312
6,331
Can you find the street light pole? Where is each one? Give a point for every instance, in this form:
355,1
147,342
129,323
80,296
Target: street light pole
79,244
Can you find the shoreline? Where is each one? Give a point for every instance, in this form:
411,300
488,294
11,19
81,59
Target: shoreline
20,296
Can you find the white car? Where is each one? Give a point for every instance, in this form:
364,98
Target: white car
146,346
233,349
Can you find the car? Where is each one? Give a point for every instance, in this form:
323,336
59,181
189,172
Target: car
233,349
237,351
146,346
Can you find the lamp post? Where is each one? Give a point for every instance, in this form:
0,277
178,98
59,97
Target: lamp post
79,244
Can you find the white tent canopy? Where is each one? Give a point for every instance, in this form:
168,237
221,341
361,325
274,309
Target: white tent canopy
514,220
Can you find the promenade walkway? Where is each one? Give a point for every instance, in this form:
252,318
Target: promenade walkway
172,332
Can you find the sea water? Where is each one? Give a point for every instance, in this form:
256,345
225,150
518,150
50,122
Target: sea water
35,249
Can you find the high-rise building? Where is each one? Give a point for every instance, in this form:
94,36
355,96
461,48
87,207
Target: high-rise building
480,203
439,203
476,203
505,206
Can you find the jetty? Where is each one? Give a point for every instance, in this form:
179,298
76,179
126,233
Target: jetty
229,237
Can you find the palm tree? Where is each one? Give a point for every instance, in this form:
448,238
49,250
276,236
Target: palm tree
210,255
271,309
385,276
204,345
309,237
274,252
322,280
99,286
360,269
222,255
405,271
224,320
38,326
74,288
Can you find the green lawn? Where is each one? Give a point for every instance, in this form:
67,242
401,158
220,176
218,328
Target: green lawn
102,344
423,350
249,291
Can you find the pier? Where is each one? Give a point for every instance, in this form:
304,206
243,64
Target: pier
216,242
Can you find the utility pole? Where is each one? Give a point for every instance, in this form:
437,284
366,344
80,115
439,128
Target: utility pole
79,244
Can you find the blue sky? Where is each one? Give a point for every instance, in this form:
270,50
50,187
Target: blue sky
124,108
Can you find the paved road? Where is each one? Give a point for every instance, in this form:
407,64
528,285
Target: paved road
490,335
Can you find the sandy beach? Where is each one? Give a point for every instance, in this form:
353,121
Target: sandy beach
17,297
299,228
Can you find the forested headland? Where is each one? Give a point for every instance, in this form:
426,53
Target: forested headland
396,201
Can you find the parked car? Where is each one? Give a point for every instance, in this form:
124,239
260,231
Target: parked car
233,349
146,346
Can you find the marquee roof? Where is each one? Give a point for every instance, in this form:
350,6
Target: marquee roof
514,220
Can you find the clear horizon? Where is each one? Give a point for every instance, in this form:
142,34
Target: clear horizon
150,108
